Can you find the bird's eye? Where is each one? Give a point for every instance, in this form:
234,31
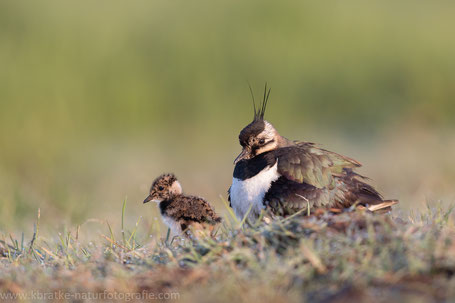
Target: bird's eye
160,188
262,141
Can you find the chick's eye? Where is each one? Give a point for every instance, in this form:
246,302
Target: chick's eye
261,141
160,188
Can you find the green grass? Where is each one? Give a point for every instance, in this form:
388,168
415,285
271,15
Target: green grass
354,256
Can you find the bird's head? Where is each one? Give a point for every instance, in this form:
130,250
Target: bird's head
256,138
259,136
165,187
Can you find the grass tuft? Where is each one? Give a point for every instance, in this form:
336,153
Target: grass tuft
352,256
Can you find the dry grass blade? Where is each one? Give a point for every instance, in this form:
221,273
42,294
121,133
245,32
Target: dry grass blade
313,258
382,205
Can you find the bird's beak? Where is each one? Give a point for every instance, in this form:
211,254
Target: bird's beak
148,199
243,155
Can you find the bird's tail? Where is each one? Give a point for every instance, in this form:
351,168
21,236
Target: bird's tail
366,196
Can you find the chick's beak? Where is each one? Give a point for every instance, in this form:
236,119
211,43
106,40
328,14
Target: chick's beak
245,154
148,199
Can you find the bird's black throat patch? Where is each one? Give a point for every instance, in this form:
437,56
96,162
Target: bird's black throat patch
246,169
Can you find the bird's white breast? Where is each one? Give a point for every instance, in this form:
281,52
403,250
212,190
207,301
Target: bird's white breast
172,224
252,191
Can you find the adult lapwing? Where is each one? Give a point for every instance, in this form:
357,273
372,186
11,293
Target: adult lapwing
284,176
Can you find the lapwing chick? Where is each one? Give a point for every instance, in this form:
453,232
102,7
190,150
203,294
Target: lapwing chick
181,212
284,176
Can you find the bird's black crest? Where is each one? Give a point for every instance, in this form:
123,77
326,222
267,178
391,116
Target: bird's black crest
260,112
258,125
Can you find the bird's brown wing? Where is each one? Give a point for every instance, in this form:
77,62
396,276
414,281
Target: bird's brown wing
199,210
306,163
286,197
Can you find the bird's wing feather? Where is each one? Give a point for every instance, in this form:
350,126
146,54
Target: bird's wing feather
200,209
306,163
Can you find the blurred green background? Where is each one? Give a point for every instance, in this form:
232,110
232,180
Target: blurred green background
97,98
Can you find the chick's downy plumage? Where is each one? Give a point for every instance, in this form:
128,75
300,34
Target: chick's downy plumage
181,212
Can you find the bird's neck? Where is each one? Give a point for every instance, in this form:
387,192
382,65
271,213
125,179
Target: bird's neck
168,203
283,142
173,196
